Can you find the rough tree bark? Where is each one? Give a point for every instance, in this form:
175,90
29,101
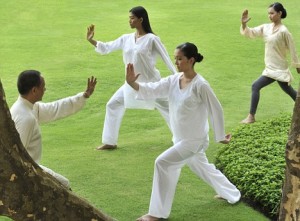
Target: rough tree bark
290,201
26,192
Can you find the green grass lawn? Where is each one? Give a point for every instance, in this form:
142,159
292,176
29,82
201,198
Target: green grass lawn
50,36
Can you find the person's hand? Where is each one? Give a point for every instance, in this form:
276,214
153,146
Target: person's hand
90,32
298,70
131,77
91,84
227,139
245,17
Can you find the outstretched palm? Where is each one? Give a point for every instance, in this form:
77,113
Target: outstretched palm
245,17
90,32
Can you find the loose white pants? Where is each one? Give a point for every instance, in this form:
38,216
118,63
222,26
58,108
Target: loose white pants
167,170
63,180
115,111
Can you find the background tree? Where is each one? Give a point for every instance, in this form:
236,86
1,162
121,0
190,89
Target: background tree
28,193
290,202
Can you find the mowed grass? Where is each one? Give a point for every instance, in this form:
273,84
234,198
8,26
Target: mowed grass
50,36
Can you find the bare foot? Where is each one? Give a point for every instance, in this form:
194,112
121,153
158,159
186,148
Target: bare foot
147,217
219,197
107,147
249,119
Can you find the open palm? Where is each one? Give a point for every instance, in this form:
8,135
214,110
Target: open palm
245,18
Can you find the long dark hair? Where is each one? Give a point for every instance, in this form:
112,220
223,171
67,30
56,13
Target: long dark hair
278,7
141,12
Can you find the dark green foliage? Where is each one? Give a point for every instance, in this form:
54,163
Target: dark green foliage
254,161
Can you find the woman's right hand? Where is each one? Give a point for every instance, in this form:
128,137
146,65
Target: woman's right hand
90,32
245,17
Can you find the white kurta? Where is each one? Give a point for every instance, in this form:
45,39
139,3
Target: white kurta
142,53
278,43
189,111
28,116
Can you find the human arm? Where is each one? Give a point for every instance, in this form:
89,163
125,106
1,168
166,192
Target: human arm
150,90
51,111
161,50
90,35
245,19
249,32
215,112
91,84
131,77
295,62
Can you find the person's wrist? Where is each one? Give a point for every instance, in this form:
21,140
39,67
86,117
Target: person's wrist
86,94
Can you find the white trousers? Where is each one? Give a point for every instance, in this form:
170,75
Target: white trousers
63,180
167,170
115,111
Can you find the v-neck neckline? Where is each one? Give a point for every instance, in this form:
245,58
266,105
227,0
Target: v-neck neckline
187,86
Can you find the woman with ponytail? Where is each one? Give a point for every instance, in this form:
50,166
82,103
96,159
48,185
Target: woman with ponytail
142,48
278,42
192,102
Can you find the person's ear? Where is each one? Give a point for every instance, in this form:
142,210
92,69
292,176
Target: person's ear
141,19
34,90
192,60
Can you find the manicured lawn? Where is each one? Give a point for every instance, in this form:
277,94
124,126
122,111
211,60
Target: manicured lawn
50,36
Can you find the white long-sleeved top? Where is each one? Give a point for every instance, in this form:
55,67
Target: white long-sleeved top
278,42
28,116
189,107
142,53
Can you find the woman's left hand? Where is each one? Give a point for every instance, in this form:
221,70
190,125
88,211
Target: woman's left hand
227,139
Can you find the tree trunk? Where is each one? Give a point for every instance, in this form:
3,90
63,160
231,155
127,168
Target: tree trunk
26,192
290,201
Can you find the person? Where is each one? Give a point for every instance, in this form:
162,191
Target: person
278,41
140,48
191,101
28,112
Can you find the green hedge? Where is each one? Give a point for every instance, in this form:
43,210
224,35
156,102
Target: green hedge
254,162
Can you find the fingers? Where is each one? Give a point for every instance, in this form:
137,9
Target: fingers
91,28
129,69
92,81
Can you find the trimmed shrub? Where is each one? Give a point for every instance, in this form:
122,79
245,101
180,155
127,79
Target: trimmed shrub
254,161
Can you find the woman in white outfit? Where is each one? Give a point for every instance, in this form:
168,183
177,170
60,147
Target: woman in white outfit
278,42
191,101
140,48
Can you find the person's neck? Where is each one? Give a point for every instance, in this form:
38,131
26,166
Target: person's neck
189,75
28,98
277,23
140,33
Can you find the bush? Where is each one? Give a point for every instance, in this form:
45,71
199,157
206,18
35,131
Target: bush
254,162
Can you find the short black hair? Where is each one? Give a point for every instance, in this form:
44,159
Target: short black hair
27,80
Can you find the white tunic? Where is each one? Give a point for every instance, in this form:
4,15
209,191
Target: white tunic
278,43
189,107
142,53
28,116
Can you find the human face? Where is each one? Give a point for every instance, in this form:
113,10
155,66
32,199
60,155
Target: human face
182,63
40,90
134,21
274,16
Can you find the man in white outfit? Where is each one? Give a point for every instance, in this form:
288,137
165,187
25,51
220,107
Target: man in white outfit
27,112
